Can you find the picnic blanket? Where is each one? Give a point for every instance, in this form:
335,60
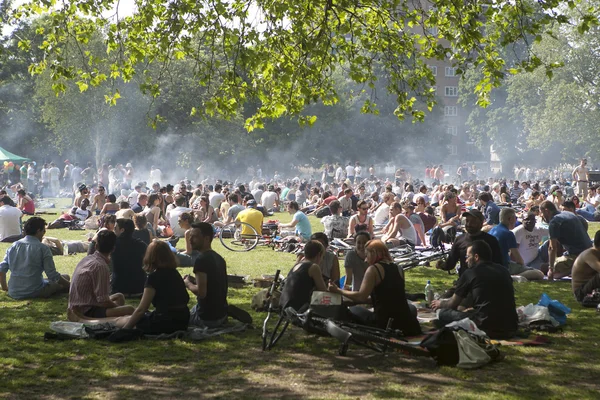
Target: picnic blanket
77,330
563,279
537,340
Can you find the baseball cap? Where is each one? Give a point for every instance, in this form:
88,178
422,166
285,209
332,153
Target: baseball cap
251,203
474,213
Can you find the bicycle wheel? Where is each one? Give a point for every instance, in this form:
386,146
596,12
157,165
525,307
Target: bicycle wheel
373,338
239,236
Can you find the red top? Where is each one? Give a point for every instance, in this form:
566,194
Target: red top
29,207
329,199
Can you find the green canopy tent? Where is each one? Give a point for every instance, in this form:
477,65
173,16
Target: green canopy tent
6,155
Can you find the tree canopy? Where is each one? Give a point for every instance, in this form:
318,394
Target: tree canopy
286,53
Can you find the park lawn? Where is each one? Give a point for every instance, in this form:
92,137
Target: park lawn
301,366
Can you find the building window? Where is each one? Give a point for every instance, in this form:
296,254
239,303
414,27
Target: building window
453,149
450,111
433,69
451,91
452,130
450,71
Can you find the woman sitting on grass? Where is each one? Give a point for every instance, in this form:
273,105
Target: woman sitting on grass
26,204
303,278
111,207
384,282
165,290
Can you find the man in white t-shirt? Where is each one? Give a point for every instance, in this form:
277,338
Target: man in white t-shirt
258,192
357,172
10,218
155,174
529,236
76,174
54,174
175,213
382,213
31,178
350,172
44,181
269,199
339,172
216,198
132,199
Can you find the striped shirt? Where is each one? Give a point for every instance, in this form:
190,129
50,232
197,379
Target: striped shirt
90,285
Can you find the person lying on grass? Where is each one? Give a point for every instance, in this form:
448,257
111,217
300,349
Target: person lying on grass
165,290
89,296
384,282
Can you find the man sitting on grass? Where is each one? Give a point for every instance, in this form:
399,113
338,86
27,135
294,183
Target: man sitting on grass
490,287
586,271
90,297
299,221
566,231
209,282
26,259
511,257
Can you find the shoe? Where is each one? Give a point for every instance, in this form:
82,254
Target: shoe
173,240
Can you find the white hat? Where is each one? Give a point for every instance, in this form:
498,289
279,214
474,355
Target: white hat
129,165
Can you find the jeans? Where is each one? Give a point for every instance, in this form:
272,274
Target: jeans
587,288
589,216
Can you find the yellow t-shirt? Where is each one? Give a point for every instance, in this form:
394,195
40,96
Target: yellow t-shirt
252,217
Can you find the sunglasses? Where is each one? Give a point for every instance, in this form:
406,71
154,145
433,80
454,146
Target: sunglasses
362,208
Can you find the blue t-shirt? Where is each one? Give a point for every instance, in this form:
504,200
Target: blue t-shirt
569,231
303,228
492,213
506,240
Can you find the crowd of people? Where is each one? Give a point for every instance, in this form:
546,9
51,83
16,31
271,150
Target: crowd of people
496,230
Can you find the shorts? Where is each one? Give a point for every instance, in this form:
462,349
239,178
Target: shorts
155,323
96,312
564,264
517,269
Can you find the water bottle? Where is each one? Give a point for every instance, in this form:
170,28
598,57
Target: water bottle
65,250
429,293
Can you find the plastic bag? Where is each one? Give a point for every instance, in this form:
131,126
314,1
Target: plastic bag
71,329
467,325
558,310
532,313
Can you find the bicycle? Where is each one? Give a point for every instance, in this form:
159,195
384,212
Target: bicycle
409,260
269,339
240,236
346,333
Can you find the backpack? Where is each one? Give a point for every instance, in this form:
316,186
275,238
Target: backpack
323,212
442,346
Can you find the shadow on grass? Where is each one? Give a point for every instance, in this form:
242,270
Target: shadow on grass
300,366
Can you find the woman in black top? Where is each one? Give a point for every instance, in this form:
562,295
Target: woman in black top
303,278
165,290
384,282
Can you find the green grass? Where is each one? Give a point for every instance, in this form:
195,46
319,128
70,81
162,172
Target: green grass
301,366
